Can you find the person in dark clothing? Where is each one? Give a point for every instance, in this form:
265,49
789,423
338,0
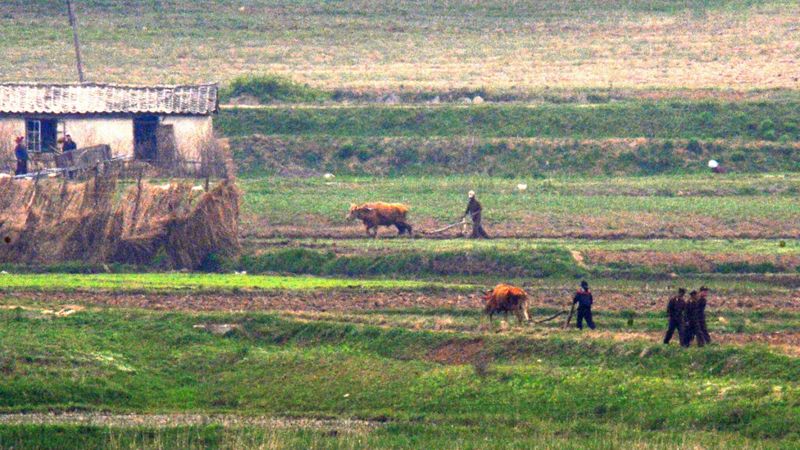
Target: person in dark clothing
584,300
702,301
474,211
68,145
677,321
693,313
67,148
21,153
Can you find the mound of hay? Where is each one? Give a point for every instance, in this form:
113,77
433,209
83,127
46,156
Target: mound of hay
53,221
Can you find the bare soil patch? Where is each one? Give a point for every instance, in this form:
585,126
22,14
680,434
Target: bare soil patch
608,226
321,301
457,352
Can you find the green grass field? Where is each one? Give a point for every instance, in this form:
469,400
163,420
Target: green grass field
547,388
697,206
176,282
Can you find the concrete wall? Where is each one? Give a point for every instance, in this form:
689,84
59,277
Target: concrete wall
192,134
88,131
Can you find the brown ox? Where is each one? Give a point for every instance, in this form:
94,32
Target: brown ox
381,214
504,298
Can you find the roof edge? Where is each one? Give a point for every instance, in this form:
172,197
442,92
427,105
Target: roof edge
98,84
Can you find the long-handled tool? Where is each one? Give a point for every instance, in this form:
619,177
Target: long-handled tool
447,227
551,317
569,317
461,222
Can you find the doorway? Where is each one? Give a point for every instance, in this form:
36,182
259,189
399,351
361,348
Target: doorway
145,138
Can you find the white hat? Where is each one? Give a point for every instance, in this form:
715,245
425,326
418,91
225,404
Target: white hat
713,164
471,194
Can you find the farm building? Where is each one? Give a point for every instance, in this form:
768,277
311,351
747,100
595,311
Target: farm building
151,123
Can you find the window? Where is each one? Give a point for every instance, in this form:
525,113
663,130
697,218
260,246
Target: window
34,135
41,134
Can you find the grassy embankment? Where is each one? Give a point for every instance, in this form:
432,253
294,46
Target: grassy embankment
518,258
633,138
553,389
547,261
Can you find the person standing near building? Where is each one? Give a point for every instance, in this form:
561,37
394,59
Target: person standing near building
67,148
584,300
21,153
473,211
676,310
69,145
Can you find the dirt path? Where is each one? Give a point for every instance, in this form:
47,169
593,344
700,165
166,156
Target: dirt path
647,301
618,226
183,419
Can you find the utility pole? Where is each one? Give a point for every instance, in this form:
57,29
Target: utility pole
74,24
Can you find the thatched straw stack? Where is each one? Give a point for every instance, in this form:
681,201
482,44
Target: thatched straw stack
50,221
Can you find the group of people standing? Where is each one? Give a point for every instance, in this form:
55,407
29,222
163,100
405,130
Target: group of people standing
22,156
688,317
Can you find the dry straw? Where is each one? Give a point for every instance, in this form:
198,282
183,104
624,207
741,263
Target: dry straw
53,221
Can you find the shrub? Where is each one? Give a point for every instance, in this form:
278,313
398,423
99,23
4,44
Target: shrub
694,147
272,88
404,156
346,151
769,135
598,98
738,156
767,129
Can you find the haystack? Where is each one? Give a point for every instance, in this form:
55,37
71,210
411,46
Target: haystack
50,221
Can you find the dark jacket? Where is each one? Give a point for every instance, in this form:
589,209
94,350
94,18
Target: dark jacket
694,310
676,308
474,210
69,146
21,152
583,299
701,305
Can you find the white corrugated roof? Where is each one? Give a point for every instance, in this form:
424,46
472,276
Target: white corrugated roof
94,98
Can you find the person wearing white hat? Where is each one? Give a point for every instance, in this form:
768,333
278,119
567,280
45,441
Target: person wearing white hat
715,167
473,211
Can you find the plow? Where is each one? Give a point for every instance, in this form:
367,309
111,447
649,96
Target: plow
463,223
